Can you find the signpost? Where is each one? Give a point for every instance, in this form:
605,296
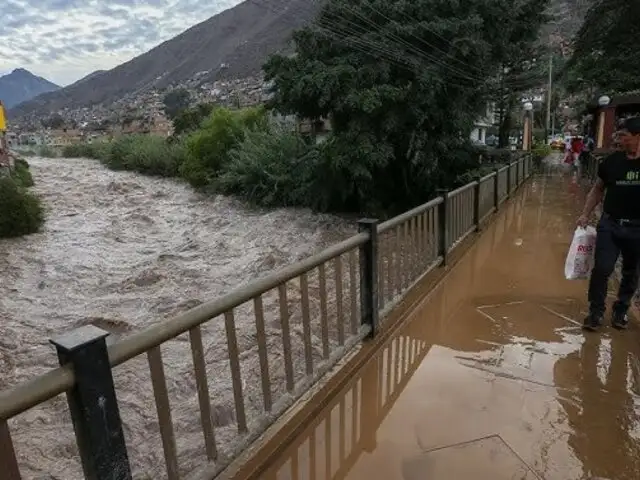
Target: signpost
4,148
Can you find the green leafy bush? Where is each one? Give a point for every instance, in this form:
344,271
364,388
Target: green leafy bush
539,153
21,173
147,154
47,152
270,167
20,211
97,150
209,147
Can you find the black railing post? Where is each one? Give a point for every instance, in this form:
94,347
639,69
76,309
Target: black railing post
369,275
443,234
518,172
496,190
509,180
476,204
93,404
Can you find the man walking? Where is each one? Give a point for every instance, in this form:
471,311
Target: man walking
618,230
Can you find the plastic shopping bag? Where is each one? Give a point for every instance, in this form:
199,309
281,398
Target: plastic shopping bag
581,254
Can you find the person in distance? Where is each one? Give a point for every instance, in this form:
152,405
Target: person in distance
618,230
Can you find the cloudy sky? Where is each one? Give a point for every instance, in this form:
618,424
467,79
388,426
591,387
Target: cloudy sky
64,40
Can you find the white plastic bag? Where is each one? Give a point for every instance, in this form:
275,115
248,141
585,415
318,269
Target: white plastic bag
581,254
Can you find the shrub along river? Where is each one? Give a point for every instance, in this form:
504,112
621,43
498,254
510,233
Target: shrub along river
122,251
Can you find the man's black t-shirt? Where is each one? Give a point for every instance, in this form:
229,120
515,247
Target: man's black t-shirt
621,177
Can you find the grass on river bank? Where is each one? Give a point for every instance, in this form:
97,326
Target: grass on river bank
21,212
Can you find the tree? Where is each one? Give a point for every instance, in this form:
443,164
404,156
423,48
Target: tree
190,119
605,56
402,84
176,101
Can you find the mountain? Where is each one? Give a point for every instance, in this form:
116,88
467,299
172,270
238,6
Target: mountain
89,77
22,85
232,44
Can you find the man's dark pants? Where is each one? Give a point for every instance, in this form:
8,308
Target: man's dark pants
615,238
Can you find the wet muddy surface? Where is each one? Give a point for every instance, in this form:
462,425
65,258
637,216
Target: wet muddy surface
122,251
492,378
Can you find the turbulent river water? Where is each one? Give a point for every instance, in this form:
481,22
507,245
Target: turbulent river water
122,251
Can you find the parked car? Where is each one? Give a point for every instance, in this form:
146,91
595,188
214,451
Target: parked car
557,143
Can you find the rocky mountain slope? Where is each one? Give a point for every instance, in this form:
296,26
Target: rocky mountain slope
22,85
232,44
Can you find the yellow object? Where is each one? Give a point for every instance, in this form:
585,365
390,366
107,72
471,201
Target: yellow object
3,118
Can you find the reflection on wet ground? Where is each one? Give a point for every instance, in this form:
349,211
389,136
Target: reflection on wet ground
491,378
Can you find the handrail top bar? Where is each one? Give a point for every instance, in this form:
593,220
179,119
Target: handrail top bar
28,394
487,177
504,169
462,189
403,217
154,335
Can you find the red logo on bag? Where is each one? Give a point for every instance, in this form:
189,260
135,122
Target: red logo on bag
585,248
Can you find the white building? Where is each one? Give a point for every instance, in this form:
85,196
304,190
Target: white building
480,127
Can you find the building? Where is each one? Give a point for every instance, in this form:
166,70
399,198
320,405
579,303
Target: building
318,129
12,140
64,137
482,124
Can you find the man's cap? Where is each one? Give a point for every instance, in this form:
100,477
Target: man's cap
632,125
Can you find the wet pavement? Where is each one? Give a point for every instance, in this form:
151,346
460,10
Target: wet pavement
491,378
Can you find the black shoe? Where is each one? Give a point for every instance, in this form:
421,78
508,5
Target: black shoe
592,322
620,321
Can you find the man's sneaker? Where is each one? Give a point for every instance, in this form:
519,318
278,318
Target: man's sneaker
592,322
620,321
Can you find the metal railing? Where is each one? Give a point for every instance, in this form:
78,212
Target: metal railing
282,333
335,440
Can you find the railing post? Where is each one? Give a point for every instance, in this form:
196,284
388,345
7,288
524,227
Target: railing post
93,404
496,190
518,173
509,179
443,233
476,204
369,275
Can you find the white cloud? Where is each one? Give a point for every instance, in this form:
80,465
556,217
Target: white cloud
64,40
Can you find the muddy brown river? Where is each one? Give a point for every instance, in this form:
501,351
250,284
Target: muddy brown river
122,251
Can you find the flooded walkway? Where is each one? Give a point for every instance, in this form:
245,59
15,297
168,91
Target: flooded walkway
491,377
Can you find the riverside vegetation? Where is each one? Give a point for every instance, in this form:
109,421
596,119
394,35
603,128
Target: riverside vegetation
248,154
399,129
21,212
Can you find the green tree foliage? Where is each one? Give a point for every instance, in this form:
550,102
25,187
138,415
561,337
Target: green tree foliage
605,56
190,119
403,83
209,147
176,101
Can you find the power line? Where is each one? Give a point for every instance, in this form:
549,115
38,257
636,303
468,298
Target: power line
351,28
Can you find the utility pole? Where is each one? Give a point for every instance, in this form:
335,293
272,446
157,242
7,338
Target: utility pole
549,92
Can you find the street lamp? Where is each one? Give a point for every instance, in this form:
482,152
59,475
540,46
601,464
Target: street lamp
526,134
604,102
